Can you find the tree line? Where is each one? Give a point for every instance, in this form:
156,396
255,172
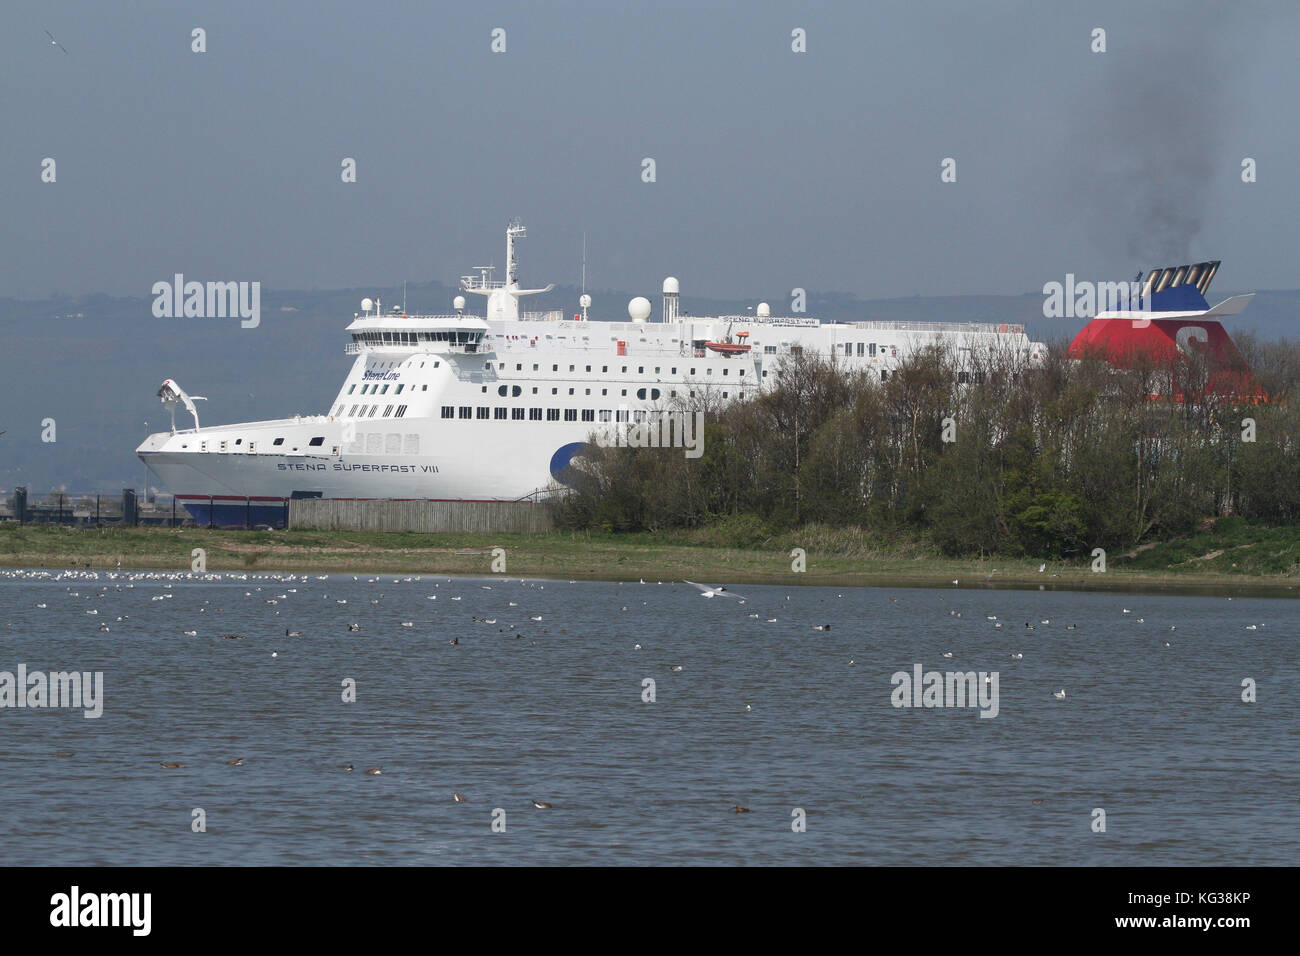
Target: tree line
975,453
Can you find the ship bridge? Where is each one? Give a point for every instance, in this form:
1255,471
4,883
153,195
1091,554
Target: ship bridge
399,332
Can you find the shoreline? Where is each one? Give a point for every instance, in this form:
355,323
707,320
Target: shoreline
579,556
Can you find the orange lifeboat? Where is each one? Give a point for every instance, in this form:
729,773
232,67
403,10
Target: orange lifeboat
728,347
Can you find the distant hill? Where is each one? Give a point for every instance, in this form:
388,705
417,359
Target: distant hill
93,363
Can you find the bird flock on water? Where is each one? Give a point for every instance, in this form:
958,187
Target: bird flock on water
277,594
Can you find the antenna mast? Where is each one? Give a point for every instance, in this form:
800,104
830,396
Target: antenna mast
584,300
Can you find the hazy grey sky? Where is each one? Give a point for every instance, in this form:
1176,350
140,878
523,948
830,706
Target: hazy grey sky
775,169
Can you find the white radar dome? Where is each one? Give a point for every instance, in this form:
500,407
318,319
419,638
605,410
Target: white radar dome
639,309
458,303
670,286
764,310
367,305
585,301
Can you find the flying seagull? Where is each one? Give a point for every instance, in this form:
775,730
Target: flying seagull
54,41
708,592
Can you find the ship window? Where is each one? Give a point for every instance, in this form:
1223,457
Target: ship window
588,415
708,371
724,394
726,371
399,390
518,367
625,369
516,414
604,391
534,366
963,378
466,411
352,411
640,369
604,368
384,390
483,389
373,409
552,414
425,388
436,364
586,391
654,393
315,442
624,392
884,374
860,344
555,391
570,414
515,391
534,389
640,393
588,368
621,414
769,349
499,413
501,390
554,368
484,411
352,388
638,416
604,414
534,414
388,411
278,441
692,371
401,411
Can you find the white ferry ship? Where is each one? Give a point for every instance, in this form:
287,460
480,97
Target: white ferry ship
493,408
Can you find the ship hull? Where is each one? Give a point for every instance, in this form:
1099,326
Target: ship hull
240,489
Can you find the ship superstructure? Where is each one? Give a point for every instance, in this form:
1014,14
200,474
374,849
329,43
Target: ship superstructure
494,407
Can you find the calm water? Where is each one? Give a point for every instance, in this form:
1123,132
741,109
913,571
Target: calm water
1158,737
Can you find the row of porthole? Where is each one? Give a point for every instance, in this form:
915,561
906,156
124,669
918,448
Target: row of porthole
535,414
515,391
604,369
